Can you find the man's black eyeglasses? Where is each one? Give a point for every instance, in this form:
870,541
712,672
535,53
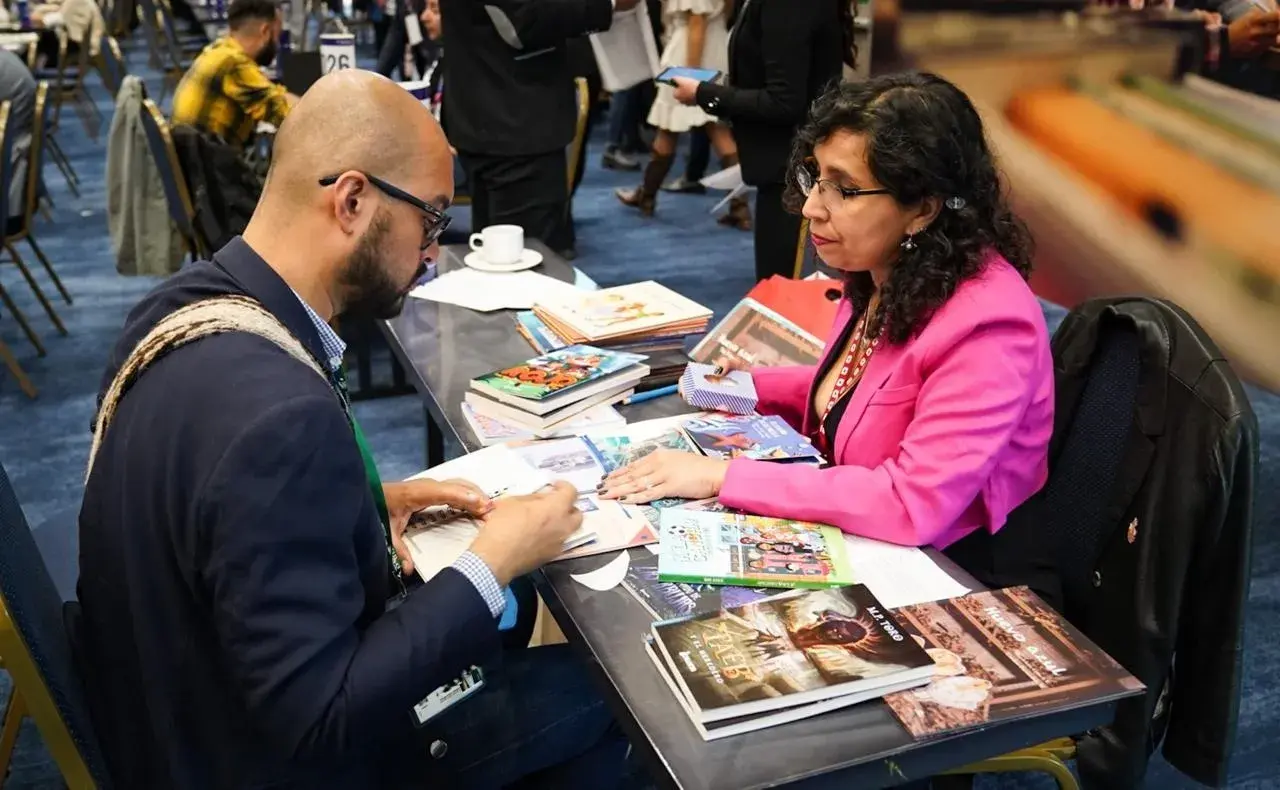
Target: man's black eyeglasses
433,224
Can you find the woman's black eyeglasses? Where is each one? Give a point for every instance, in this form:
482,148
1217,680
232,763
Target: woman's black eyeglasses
433,224
828,190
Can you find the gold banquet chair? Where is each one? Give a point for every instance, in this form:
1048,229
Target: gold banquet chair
580,128
1049,758
802,251
23,231
177,195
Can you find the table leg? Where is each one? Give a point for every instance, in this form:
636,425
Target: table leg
364,353
435,440
397,375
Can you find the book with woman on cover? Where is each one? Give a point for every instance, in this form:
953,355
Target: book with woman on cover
788,650
706,547
1001,655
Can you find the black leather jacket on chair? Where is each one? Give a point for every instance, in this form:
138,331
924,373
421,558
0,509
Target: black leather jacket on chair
1162,575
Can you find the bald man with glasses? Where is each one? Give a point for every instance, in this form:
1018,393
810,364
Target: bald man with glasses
250,618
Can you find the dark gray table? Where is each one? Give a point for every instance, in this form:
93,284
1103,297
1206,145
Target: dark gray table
442,348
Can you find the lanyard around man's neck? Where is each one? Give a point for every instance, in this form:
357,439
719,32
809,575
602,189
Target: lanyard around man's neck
372,477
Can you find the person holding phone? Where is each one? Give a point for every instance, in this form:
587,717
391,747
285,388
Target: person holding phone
782,55
698,44
934,400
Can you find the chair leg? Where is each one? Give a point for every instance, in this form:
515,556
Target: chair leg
22,321
11,362
63,164
35,288
48,267
14,712
1026,760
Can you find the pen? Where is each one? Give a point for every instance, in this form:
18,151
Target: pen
641,397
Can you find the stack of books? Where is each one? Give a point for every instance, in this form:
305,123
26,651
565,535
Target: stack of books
545,392
785,658
642,316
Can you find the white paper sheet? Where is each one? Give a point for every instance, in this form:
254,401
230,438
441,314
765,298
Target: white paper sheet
626,53
486,291
498,472
571,460
727,179
607,576
899,575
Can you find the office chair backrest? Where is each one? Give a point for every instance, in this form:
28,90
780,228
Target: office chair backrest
37,652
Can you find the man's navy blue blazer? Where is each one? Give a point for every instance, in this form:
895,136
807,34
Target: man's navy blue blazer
234,574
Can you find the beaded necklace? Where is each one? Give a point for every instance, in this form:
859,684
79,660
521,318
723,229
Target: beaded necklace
854,364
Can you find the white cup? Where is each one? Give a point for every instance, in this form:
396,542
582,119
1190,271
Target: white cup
499,244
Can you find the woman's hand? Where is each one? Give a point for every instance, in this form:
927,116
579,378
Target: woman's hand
665,473
686,90
410,496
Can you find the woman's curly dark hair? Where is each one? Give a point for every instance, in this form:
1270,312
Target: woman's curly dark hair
924,139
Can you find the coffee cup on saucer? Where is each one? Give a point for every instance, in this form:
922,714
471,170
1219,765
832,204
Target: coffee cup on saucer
500,248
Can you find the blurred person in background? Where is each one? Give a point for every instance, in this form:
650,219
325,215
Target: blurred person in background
225,92
627,112
1244,44
782,56
510,107
695,167
697,37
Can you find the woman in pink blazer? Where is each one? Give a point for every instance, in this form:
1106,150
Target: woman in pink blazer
934,402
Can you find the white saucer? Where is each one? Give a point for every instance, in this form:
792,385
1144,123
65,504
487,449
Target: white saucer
528,260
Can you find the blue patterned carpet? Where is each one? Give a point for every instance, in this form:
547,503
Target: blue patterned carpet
44,443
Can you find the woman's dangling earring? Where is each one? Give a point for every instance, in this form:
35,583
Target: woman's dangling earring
909,243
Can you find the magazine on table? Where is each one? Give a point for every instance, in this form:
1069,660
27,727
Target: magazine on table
787,651
1001,655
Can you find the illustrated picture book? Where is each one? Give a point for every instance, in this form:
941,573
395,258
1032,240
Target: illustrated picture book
1001,655
706,547
491,430
788,650
636,309
554,373
763,438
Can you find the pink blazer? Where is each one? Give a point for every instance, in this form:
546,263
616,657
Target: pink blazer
945,434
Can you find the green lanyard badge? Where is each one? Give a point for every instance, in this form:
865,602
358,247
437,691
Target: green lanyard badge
372,478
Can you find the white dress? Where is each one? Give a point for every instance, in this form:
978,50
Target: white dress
667,113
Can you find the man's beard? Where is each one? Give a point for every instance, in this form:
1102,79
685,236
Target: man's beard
267,54
371,291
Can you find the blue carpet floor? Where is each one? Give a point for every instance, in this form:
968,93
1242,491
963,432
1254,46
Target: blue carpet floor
44,443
